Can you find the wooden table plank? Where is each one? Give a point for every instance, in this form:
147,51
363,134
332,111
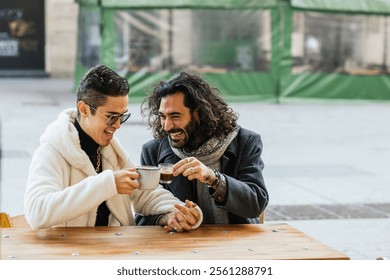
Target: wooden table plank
266,241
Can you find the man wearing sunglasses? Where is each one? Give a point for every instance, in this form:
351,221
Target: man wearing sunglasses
81,175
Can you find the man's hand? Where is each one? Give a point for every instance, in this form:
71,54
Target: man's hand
125,180
192,168
184,217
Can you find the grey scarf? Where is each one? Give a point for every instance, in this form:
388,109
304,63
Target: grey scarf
210,154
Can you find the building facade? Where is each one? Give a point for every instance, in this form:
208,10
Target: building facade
38,38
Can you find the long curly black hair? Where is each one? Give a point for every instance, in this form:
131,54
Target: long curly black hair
216,118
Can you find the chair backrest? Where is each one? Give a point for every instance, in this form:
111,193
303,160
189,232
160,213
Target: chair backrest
19,221
5,220
262,217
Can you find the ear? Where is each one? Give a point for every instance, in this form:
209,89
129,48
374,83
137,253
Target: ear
196,115
82,106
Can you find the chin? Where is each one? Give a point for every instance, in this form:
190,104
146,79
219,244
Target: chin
177,145
104,144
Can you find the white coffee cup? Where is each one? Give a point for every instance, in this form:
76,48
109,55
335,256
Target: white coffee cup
149,177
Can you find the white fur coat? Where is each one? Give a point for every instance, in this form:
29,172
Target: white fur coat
63,188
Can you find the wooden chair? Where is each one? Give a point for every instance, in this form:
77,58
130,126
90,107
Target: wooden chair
262,217
19,221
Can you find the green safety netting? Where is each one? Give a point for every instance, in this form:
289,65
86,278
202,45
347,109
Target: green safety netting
358,6
272,50
147,4
84,3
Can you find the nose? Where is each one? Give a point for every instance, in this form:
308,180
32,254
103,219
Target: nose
167,124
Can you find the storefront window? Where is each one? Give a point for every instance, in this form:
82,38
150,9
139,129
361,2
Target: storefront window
89,37
216,41
349,44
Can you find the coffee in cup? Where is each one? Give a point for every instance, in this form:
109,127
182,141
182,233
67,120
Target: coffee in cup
149,177
166,173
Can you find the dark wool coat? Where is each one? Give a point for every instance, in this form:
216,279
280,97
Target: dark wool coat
242,166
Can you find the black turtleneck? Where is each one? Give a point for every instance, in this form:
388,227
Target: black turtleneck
90,147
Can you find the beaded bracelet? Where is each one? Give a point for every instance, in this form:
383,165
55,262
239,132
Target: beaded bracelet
216,180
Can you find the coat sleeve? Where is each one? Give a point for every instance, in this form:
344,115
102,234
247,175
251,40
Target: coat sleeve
148,157
50,200
247,195
156,202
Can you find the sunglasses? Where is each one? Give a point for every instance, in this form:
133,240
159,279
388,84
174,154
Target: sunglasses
113,118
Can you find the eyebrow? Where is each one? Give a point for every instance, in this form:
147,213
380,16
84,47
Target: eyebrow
169,114
116,113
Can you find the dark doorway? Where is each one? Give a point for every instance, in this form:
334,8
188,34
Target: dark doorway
22,38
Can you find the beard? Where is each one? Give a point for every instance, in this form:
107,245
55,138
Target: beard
190,142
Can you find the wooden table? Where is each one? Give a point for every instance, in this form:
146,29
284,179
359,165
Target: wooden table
266,241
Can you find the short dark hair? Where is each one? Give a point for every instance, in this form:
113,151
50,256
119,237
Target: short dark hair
99,83
216,118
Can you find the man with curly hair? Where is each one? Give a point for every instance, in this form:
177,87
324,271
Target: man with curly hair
218,164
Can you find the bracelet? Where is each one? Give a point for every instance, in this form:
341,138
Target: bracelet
216,180
158,221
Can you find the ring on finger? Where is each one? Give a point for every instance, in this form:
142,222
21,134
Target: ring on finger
188,160
192,170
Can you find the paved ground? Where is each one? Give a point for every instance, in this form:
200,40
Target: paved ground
327,164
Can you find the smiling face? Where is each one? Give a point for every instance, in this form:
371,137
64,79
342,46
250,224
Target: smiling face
177,120
95,123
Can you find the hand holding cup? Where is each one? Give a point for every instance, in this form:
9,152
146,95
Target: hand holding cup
126,180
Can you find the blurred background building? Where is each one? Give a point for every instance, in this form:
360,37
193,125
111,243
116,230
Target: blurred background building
38,38
271,50
326,165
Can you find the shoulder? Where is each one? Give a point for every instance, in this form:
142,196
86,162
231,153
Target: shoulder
150,147
47,152
244,133
247,140
155,144
151,143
